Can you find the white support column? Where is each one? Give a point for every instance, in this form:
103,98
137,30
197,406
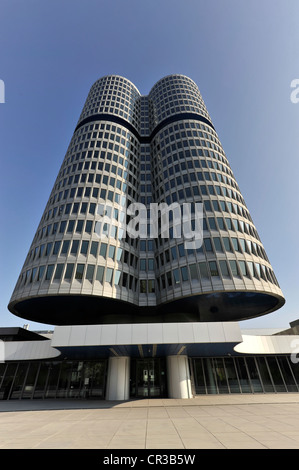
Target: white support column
118,379
178,377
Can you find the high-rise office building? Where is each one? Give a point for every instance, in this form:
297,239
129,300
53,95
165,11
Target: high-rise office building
144,310
151,150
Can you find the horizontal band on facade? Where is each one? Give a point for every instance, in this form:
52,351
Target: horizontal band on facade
144,139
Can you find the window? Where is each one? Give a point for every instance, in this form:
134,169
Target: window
40,273
58,271
181,250
90,272
65,247
208,245
111,252
48,249
176,276
117,277
169,278
94,248
100,274
151,286
142,286
251,269
193,271
243,268
173,253
203,270
109,274
151,264
84,247
234,267
184,273
69,271
103,250
213,268
235,244
70,227
75,246
79,226
218,246
49,272
227,244
224,268
56,247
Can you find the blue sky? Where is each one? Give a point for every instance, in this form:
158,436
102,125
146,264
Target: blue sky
243,56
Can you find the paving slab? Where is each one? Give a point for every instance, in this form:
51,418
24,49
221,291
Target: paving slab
269,421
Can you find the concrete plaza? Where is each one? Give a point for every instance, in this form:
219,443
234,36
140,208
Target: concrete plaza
261,421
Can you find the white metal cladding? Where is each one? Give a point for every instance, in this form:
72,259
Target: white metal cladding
157,333
281,344
29,350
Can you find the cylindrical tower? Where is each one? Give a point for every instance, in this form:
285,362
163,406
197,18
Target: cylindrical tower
155,149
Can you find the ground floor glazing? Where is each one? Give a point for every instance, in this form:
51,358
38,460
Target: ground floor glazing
149,377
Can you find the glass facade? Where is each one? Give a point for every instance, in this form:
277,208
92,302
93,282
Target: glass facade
250,374
53,379
148,377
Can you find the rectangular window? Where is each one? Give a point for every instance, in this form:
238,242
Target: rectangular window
151,264
100,274
143,265
79,272
217,243
243,268
62,226
213,268
234,267
90,272
94,248
169,278
75,246
235,244
117,277
193,271
56,247
181,250
49,248
109,274
84,247
111,252
176,276
184,274
40,273
88,226
142,286
151,286
70,227
103,250
75,208
79,226
65,247
208,244
58,271
49,272
69,271
227,244
224,268
203,271
173,253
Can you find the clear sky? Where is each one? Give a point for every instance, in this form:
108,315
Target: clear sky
242,54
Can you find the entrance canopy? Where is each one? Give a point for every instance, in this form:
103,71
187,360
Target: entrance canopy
147,340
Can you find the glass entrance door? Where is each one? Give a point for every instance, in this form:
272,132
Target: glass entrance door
148,378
